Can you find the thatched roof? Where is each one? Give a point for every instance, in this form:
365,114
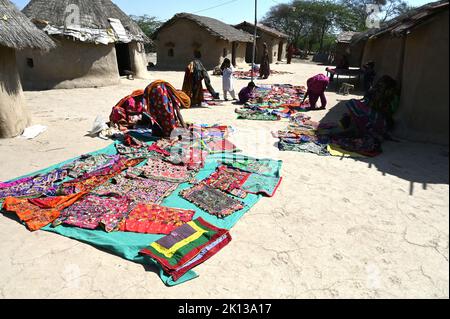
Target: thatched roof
346,36
93,25
17,31
214,27
263,28
405,22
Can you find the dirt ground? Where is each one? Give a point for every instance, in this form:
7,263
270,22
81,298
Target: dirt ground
337,228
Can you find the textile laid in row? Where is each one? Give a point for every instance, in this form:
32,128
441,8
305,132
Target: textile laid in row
212,200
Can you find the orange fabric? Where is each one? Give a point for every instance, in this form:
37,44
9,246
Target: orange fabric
185,99
38,213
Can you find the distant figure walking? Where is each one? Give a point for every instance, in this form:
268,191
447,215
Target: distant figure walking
194,75
264,69
316,89
227,79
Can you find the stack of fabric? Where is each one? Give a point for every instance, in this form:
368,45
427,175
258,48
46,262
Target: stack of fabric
273,102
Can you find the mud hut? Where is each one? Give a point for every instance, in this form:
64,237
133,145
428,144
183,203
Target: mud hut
413,49
276,42
16,33
96,44
344,47
183,35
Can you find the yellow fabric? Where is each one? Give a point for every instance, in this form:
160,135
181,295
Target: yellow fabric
170,252
335,150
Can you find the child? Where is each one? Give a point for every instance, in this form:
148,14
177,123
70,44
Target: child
227,80
246,93
316,88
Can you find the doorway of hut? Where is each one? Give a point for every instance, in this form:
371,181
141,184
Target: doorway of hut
123,58
249,54
233,53
280,51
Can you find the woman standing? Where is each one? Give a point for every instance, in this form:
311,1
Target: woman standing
264,70
194,76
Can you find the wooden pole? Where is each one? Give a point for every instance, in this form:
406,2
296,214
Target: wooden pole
254,39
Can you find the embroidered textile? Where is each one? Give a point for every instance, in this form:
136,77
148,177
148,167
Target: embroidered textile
187,247
221,146
138,190
163,170
37,213
212,200
255,115
90,181
34,186
89,163
93,211
229,180
261,184
253,165
155,219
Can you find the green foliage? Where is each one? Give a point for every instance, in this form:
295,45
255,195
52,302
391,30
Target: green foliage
149,25
388,10
314,24
311,23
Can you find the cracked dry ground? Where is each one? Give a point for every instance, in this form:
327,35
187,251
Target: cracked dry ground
337,228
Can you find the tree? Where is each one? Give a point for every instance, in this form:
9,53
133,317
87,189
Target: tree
149,25
388,9
309,22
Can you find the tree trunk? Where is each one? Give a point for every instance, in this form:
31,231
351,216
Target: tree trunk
14,117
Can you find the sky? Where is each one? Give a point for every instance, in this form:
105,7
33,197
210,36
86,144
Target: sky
229,11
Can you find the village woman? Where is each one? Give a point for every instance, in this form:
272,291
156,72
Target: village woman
264,69
194,75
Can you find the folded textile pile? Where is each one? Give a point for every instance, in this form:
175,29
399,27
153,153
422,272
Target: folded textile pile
324,139
187,247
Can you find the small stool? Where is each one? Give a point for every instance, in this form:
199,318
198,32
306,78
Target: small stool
345,88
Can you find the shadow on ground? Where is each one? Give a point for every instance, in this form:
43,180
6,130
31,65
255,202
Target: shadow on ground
418,163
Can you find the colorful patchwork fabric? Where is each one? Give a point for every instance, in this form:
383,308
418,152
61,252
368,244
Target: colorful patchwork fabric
259,166
187,247
308,147
192,157
155,219
133,152
90,181
261,184
34,186
212,200
38,213
93,211
163,170
247,114
138,190
221,146
229,180
90,163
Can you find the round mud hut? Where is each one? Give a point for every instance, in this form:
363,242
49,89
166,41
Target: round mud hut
96,43
16,33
